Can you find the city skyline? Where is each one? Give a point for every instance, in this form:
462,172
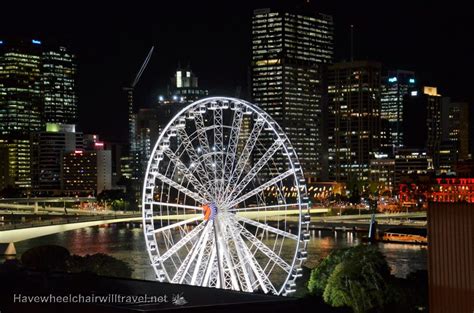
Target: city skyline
113,42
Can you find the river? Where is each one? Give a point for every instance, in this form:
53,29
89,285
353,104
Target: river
126,242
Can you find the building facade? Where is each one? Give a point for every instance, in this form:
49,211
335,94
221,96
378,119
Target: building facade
48,148
455,126
354,119
87,172
36,87
382,173
396,84
59,88
422,120
410,162
290,51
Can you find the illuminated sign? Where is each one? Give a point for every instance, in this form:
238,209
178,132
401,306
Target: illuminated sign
411,81
52,127
414,93
392,79
36,42
78,151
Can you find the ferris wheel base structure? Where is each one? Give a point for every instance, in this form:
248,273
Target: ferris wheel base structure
229,168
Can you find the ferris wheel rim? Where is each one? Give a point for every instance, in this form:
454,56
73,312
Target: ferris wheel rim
297,173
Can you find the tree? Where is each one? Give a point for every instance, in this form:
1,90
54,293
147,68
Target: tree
100,264
117,199
46,258
356,277
320,275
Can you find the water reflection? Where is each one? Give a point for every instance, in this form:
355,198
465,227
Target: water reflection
126,242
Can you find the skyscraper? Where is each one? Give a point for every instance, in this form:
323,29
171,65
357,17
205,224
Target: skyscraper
21,105
422,120
48,148
87,172
354,118
58,75
395,85
20,87
290,49
36,87
455,125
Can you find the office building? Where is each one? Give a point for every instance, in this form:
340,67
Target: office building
5,179
184,87
396,84
59,89
290,51
48,148
412,162
36,86
455,126
21,105
382,172
422,120
87,172
354,119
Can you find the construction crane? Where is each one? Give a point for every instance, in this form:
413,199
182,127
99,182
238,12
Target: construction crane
130,89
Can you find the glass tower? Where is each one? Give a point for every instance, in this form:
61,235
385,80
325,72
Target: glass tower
60,101
36,86
354,119
395,86
289,54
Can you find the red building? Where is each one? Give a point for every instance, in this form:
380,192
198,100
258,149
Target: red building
441,190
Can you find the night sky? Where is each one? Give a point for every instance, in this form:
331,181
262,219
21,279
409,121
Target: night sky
112,40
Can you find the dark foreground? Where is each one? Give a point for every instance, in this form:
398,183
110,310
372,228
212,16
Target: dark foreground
17,284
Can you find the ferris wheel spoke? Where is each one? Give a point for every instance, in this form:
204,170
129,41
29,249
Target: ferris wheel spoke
187,173
202,261
181,243
267,227
238,257
201,171
204,142
211,266
232,144
260,188
227,274
218,148
244,157
260,276
265,207
264,248
174,225
181,188
255,170
176,205
185,266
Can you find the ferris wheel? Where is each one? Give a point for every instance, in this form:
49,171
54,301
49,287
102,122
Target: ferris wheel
224,200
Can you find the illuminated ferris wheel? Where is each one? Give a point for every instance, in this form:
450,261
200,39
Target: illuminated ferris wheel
216,207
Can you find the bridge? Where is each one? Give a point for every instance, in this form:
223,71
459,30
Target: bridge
50,204
9,234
